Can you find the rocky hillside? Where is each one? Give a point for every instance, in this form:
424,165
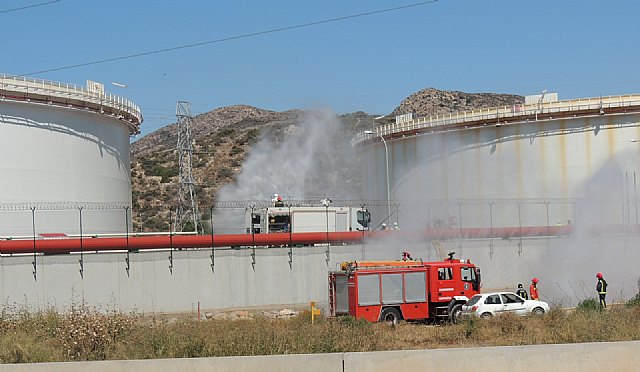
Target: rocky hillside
431,101
221,140
224,137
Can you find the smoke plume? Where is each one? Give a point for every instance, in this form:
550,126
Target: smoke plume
314,160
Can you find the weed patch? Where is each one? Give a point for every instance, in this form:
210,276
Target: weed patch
88,334
590,304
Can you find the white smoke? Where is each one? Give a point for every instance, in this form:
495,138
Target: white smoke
570,264
483,187
310,161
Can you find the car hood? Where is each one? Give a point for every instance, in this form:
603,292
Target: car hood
534,303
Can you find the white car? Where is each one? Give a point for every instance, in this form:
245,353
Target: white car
486,305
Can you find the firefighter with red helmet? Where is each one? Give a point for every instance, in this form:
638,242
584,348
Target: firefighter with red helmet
277,201
406,256
601,288
533,289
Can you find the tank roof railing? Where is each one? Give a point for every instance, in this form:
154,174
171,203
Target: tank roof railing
496,114
70,94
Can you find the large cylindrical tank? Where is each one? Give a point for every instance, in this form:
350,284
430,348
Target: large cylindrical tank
64,158
530,165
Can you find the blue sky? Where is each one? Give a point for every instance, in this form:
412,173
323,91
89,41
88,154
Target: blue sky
370,63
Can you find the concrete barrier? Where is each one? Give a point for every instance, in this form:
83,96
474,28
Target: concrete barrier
601,356
291,363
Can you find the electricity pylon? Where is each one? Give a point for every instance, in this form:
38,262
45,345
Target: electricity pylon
187,206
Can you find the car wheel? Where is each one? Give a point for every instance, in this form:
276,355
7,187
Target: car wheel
390,315
486,315
456,312
537,311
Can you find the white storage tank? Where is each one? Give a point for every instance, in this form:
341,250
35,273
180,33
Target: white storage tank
64,158
545,163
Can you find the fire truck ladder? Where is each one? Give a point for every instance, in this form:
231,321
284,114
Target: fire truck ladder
332,295
368,265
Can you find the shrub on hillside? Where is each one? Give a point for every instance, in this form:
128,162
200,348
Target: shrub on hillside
164,172
250,137
227,132
635,301
225,172
236,150
590,304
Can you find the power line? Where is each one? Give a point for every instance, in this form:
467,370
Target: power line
28,6
243,36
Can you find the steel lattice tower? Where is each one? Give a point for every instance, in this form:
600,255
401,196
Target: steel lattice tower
187,206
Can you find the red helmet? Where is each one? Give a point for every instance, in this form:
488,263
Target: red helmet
279,198
599,275
534,280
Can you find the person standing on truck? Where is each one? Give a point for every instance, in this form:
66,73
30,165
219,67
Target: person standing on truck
522,292
533,289
406,256
601,288
279,202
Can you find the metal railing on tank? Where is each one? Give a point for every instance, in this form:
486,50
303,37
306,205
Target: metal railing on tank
64,93
511,114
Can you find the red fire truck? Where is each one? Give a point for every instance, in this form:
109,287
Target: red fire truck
409,289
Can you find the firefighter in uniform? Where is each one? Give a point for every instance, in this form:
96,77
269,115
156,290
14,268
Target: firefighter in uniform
533,289
601,288
278,202
521,292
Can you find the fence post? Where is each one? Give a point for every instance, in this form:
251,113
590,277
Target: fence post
171,240
126,222
491,229
520,229
33,225
81,246
213,252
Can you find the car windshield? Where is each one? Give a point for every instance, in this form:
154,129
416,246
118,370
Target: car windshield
474,300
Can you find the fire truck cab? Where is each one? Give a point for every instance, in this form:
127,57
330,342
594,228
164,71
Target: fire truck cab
409,289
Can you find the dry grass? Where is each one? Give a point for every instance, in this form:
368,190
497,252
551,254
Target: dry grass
88,334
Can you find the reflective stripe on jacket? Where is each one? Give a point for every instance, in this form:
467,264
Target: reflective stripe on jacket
522,293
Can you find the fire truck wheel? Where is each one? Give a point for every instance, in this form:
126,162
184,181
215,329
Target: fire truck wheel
456,311
390,315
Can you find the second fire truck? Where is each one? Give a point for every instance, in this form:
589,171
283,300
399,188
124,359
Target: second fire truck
409,289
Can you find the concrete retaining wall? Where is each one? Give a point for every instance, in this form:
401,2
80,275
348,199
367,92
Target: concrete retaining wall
597,357
150,285
566,268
